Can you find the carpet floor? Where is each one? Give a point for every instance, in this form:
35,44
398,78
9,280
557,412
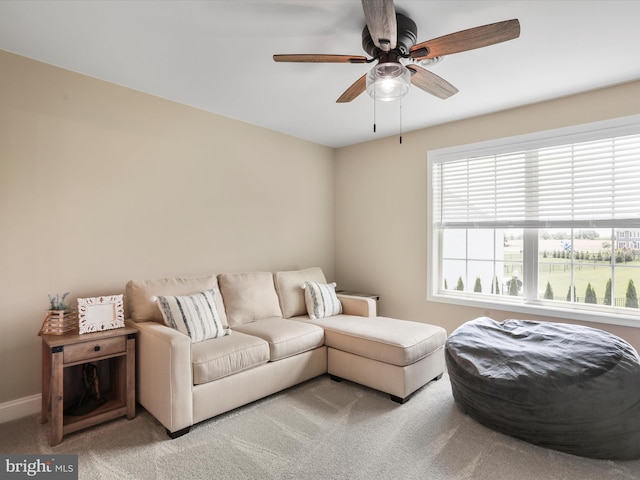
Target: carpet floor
317,430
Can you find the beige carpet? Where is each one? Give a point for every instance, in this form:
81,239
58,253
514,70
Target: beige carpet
317,430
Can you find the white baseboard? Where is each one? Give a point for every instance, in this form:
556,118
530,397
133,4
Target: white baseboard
19,408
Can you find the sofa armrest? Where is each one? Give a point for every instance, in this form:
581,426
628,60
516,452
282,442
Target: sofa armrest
359,306
164,377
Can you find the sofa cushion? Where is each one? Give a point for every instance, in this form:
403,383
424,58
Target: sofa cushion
220,357
249,296
289,288
285,337
321,300
398,342
194,315
141,295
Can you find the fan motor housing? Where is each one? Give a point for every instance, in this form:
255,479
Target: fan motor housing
407,37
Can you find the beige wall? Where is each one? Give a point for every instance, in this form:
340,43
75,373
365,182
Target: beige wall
381,197
100,184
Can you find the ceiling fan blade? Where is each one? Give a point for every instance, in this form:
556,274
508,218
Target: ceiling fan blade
381,21
469,39
312,58
354,90
431,83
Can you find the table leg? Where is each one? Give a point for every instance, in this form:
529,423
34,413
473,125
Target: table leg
57,395
46,382
130,377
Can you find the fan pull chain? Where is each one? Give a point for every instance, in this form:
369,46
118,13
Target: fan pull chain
400,122
374,110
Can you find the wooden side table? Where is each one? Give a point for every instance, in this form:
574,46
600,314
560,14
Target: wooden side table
115,347
375,296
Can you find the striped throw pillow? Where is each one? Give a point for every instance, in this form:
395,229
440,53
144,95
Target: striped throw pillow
321,300
194,315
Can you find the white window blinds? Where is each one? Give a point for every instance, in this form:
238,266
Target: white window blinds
586,179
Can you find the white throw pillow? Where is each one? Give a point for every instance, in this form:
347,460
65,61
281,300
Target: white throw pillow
321,300
194,315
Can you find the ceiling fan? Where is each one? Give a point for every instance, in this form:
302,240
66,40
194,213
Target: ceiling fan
390,39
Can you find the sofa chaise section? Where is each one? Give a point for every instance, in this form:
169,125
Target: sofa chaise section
394,356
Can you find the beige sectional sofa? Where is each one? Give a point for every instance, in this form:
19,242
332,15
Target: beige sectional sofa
272,344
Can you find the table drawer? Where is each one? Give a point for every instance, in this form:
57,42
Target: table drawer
87,351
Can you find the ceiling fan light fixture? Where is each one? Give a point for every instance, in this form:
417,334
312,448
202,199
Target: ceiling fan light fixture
388,81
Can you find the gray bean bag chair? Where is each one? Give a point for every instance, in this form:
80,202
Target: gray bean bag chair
567,387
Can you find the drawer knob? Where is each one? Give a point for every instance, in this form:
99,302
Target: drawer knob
96,348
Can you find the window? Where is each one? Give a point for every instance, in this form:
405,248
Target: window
535,223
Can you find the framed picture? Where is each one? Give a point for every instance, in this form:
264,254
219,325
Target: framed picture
96,314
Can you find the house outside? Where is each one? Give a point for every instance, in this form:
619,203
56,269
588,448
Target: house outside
628,239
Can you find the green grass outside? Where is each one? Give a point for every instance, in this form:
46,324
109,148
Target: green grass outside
558,274
557,271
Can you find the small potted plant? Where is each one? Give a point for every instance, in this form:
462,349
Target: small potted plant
60,317
57,302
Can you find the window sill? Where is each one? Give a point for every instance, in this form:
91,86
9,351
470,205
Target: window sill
609,318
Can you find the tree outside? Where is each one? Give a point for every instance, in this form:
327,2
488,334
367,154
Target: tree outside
569,299
478,286
513,287
590,295
460,285
548,292
607,293
631,300
497,285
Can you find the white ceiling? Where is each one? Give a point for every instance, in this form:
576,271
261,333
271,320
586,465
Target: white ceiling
217,56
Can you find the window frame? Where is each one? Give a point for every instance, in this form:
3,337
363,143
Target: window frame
523,305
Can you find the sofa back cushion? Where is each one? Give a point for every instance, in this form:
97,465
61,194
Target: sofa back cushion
249,296
290,293
141,296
